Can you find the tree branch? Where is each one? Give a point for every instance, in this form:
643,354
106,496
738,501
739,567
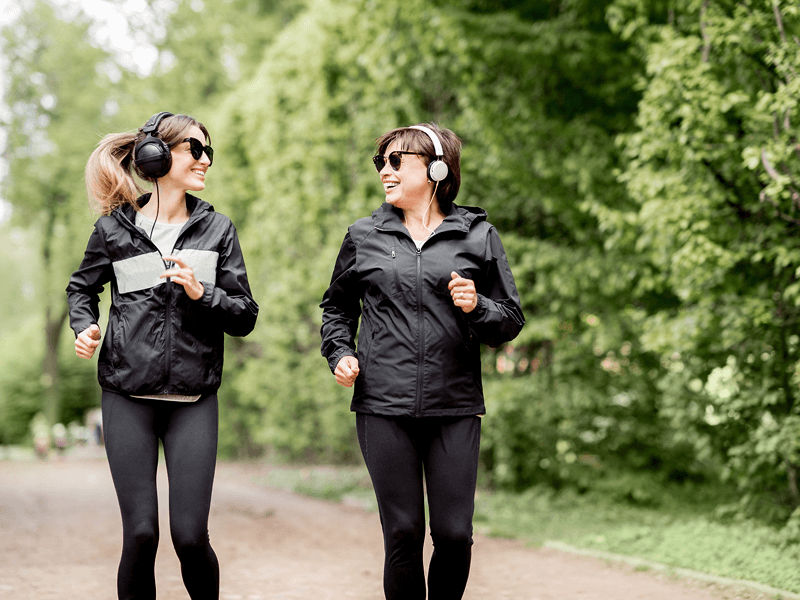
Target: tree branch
706,40
779,20
768,166
762,196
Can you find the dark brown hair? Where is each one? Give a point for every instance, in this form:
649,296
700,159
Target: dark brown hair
109,175
415,140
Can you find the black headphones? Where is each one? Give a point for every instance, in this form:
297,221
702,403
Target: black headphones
437,169
152,157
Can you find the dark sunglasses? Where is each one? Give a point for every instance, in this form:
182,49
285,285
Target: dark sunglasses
395,159
197,148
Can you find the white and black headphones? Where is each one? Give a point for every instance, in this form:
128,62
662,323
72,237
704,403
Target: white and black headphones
437,169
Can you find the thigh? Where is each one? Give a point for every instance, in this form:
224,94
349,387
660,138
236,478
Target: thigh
190,450
132,449
393,459
451,471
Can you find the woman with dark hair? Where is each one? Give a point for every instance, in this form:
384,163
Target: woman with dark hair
429,282
178,284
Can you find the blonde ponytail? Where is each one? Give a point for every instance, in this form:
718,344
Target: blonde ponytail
109,173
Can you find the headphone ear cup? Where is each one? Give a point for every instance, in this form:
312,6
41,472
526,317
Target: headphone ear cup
152,157
437,170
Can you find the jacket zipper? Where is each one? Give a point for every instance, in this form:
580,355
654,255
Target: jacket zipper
421,333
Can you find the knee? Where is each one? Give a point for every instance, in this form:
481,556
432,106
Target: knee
143,536
452,535
189,537
403,532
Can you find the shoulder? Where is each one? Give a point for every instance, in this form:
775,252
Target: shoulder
361,230
221,220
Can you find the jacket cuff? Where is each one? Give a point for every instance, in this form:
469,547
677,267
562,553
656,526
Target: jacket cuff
478,311
208,294
337,356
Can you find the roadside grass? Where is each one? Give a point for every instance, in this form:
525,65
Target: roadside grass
682,535
674,525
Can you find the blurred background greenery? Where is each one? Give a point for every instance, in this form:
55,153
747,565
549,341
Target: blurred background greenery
639,157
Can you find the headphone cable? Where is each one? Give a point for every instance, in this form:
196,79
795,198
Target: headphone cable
158,208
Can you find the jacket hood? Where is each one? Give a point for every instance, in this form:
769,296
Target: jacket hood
460,218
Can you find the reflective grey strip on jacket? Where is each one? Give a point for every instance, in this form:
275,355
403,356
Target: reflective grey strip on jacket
143,272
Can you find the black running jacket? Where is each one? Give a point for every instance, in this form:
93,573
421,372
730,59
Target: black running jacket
418,353
158,339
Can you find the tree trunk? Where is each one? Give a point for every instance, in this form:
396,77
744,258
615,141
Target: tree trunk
53,327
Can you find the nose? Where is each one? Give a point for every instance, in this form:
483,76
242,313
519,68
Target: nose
386,168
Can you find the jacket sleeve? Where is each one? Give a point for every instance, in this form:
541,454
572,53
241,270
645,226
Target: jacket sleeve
497,318
86,284
341,307
230,299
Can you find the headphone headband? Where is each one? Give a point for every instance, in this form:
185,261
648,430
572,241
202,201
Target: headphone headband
437,144
153,122
437,169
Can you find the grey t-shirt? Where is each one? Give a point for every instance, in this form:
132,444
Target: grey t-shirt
164,234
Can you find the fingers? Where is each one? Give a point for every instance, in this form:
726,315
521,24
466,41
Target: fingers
87,341
177,260
463,292
346,371
183,275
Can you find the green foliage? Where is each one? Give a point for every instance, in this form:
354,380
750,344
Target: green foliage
21,382
298,136
712,169
639,158
58,90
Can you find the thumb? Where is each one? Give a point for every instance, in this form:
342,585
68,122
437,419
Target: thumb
454,275
94,332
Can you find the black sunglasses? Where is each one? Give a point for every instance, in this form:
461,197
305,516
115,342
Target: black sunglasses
395,159
197,148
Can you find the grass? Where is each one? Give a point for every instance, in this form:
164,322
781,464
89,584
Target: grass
683,536
673,525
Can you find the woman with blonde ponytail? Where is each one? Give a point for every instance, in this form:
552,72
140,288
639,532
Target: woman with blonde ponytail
178,284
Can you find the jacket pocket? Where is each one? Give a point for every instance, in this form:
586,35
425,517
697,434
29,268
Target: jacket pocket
394,266
365,347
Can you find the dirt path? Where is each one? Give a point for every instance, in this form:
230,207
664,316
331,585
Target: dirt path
60,538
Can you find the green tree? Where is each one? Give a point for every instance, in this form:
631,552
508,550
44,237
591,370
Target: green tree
712,168
57,94
537,96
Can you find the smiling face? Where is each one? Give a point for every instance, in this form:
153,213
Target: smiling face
409,186
188,173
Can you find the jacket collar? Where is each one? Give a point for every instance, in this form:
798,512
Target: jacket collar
197,209
461,218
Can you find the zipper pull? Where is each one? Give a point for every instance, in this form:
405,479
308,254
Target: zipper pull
392,252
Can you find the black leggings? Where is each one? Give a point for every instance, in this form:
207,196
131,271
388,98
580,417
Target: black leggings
397,452
188,430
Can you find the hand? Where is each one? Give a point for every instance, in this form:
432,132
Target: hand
87,341
346,371
463,292
184,275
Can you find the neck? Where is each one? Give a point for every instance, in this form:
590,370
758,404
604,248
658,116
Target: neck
424,217
166,205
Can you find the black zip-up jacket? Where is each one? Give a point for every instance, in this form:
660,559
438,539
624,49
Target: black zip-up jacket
418,353
158,339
